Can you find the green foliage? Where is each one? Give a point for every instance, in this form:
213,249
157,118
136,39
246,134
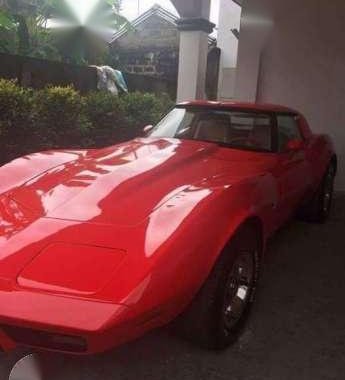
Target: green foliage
59,117
6,20
22,30
166,103
39,31
7,32
106,115
87,41
144,108
15,119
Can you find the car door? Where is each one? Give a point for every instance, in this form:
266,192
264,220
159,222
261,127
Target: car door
293,173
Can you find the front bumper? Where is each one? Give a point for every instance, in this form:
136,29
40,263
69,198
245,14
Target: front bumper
62,324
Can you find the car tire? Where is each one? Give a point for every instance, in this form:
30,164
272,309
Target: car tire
319,209
218,313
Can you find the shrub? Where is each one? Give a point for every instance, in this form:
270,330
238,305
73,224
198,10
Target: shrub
59,116
166,104
106,115
15,119
143,108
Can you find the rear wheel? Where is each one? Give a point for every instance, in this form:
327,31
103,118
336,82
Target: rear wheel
218,313
319,209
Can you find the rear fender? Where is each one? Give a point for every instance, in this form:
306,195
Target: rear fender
320,153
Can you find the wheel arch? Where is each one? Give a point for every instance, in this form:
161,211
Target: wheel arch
193,314
255,224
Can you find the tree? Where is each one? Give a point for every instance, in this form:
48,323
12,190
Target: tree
57,29
20,29
6,20
7,32
14,15
83,37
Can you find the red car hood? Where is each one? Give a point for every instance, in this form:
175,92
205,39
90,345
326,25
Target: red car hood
124,184
115,189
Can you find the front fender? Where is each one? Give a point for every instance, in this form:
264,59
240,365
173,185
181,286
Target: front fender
185,236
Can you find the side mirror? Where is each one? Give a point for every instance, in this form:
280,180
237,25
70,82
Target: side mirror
147,129
294,145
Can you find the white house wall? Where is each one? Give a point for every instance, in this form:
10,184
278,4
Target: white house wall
300,63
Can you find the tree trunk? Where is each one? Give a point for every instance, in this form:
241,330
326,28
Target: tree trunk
23,36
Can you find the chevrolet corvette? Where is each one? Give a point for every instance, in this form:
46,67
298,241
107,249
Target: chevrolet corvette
99,246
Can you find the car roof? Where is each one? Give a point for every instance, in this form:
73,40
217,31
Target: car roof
243,106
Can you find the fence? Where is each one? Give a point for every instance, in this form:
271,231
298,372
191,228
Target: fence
38,73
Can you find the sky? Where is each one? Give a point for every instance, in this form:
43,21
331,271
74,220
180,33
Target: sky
130,8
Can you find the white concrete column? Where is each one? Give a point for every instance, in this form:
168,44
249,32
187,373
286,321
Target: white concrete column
248,70
192,65
194,29
256,26
227,41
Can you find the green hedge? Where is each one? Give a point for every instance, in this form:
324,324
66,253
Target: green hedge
15,119
106,116
59,117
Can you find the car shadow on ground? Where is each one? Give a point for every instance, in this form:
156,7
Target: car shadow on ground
295,331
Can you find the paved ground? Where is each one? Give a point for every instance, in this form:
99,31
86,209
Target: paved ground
296,330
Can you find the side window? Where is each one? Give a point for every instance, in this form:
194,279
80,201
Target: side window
287,130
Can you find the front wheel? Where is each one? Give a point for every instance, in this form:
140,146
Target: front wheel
218,313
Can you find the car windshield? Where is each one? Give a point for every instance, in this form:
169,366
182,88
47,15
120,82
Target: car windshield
229,128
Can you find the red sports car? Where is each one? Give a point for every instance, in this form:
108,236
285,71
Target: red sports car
98,247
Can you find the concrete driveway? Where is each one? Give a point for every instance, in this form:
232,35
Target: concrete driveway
296,330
